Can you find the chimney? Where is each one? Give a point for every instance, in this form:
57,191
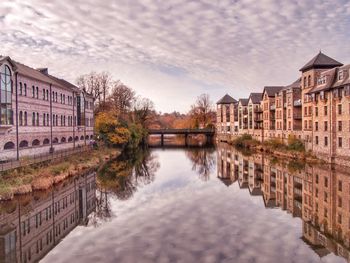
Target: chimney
43,70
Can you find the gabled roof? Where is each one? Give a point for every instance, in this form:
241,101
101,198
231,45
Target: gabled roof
7,58
272,90
346,76
255,97
321,61
227,99
243,102
295,84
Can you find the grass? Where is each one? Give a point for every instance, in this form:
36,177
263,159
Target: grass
44,175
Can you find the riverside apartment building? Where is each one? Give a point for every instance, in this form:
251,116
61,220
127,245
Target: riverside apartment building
40,113
315,109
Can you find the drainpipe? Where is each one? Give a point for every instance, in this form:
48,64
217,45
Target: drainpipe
17,146
51,148
74,100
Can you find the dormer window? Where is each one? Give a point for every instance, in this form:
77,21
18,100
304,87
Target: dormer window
341,75
321,80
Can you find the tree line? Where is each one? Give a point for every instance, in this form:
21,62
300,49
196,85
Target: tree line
123,118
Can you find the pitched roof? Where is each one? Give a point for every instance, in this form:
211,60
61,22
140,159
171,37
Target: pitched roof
321,61
330,78
272,90
255,97
346,76
244,102
295,84
227,99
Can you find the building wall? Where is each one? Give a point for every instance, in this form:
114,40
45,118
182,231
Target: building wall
34,131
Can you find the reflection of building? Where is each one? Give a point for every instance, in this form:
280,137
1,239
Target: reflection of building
28,232
39,112
318,195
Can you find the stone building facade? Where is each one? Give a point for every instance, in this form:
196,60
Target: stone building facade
40,113
315,109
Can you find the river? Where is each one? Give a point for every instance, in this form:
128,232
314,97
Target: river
185,205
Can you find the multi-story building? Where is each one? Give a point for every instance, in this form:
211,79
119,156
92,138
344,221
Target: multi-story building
243,116
40,113
310,72
331,101
255,119
226,117
269,110
315,109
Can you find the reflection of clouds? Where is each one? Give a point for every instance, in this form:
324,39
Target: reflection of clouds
199,42
198,222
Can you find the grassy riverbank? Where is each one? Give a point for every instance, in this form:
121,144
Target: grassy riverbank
294,148
42,176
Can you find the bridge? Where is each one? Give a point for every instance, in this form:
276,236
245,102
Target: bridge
209,133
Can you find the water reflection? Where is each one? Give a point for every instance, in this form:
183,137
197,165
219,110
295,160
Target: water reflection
129,171
203,161
319,195
33,225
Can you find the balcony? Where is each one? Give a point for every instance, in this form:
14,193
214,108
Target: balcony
297,103
273,107
258,110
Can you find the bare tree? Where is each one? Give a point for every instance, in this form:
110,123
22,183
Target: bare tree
121,97
201,111
143,111
97,84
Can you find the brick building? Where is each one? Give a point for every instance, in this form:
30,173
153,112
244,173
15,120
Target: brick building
315,109
40,113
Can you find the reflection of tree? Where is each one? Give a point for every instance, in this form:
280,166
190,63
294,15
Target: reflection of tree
203,161
130,170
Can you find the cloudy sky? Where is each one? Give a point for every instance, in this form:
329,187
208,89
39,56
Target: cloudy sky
172,51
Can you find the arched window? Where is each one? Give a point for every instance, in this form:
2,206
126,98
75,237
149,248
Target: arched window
48,119
47,94
25,89
37,119
6,113
33,91
36,142
304,82
70,139
63,139
76,138
23,144
82,137
55,141
46,141
87,137
20,88
44,119
309,80
9,146
91,136
37,92
44,93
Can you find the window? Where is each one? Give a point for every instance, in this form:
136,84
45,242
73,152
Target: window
6,113
316,126
316,140
340,142
37,119
316,111
325,126
33,91
340,186
25,89
341,74
325,110
9,145
20,117
44,93
20,88
25,118
37,92
340,125
304,82
325,182
326,141
33,119
339,109
309,80
47,94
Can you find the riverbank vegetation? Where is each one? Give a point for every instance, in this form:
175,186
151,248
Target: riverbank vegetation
44,175
294,148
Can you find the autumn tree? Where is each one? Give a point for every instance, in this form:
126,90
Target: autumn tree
143,111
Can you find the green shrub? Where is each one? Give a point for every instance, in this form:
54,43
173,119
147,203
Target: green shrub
295,144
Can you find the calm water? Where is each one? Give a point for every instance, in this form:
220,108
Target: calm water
199,205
